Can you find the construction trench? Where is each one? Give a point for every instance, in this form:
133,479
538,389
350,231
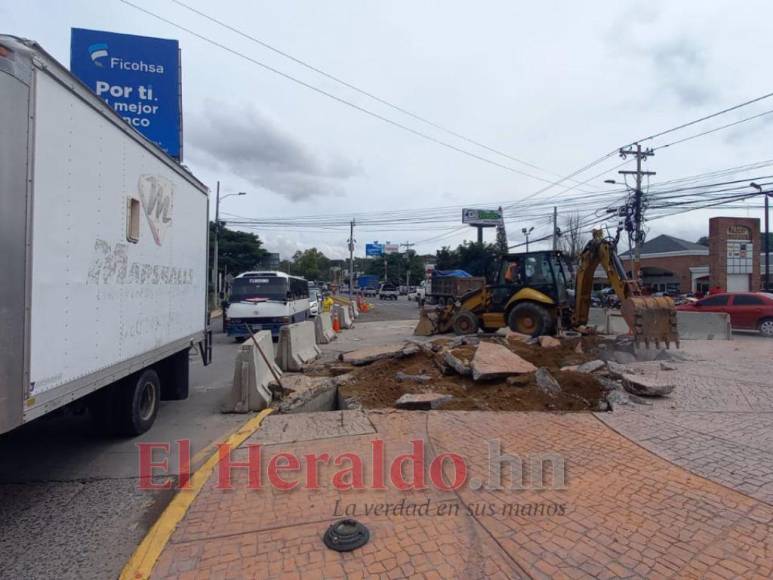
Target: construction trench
511,373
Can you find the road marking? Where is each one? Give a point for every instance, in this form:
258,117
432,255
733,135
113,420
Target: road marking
144,558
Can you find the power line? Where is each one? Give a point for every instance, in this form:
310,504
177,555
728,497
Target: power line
368,94
715,129
332,96
704,118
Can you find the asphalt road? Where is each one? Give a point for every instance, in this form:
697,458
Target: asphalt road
70,506
400,309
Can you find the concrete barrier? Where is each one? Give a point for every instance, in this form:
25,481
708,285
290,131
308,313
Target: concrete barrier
703,325
344,316
323,328
355,310
250,390
297,346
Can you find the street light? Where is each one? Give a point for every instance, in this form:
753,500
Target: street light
215,277
526,233
610,181
766,194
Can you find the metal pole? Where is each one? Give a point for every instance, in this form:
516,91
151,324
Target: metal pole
527,242
215,277
351,258
637,217
767,244
480,235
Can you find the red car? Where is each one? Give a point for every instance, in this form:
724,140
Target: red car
747,310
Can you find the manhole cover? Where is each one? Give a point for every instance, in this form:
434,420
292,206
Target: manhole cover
346,535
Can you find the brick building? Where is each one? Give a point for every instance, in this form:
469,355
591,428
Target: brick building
731,261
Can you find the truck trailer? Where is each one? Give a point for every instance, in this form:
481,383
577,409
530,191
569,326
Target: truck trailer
103,291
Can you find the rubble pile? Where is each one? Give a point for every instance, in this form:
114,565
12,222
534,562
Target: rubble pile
505,371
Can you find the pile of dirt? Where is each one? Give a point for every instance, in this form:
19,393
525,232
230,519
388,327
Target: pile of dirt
376,385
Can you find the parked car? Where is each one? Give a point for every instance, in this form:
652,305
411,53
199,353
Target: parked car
314,301
388,292
747,310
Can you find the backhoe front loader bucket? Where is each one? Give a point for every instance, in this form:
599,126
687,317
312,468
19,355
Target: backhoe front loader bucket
434,320
652,319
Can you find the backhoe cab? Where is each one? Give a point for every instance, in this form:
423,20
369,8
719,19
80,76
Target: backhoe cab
529,295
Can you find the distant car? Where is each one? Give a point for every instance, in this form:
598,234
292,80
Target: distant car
388,292
747,310
314,301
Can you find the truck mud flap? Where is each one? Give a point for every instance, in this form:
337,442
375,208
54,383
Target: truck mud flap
205,348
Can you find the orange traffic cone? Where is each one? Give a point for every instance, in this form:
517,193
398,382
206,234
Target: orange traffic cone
336,323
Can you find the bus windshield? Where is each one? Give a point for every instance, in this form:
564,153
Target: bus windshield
269,287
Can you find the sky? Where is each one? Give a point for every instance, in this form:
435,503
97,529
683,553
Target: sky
556,84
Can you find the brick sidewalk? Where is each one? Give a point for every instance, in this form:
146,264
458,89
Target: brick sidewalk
718,423
626,511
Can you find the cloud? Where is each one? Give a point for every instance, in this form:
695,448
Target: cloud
680,66
245,142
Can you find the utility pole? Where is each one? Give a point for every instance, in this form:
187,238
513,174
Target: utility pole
407,246
526,233
555,228
351,258
638,236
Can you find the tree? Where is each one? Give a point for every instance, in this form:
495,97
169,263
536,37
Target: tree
310,264
477,259
703,241
239,251
573,238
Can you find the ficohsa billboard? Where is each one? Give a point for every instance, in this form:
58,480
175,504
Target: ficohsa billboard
138,76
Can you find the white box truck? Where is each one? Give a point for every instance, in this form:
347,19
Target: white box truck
103,254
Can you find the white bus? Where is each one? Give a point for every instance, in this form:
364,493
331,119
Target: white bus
265,301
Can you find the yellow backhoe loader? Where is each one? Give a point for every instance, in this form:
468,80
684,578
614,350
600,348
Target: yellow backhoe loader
532,295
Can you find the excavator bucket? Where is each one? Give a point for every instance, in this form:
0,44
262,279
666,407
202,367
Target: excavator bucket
652,320
433,320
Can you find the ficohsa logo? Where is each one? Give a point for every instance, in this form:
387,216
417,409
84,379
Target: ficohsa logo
98,53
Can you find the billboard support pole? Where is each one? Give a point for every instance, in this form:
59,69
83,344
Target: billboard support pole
480,235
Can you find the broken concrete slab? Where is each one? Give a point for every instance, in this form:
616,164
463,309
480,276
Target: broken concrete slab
493,361
591,366
624,357
460,365
667,367
578,348
546,382
647,385
404,377
549,342
616,370
365,356
422,401
572,368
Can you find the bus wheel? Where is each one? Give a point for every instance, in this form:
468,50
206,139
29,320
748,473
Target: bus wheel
529,318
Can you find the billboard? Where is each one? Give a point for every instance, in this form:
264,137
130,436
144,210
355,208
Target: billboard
391,248
138,76
374,249
482,217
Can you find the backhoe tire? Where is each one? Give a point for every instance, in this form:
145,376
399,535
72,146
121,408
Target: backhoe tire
530,318
465,322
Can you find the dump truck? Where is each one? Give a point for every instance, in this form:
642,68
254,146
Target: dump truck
103,290
532,295
448,286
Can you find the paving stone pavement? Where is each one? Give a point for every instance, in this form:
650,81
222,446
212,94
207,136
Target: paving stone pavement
718,423
616,510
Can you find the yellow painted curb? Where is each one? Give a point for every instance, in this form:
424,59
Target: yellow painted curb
144,558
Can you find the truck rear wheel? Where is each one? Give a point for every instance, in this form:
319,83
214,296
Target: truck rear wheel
137,402
529,318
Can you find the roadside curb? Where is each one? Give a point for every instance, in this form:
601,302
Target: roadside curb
145,556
